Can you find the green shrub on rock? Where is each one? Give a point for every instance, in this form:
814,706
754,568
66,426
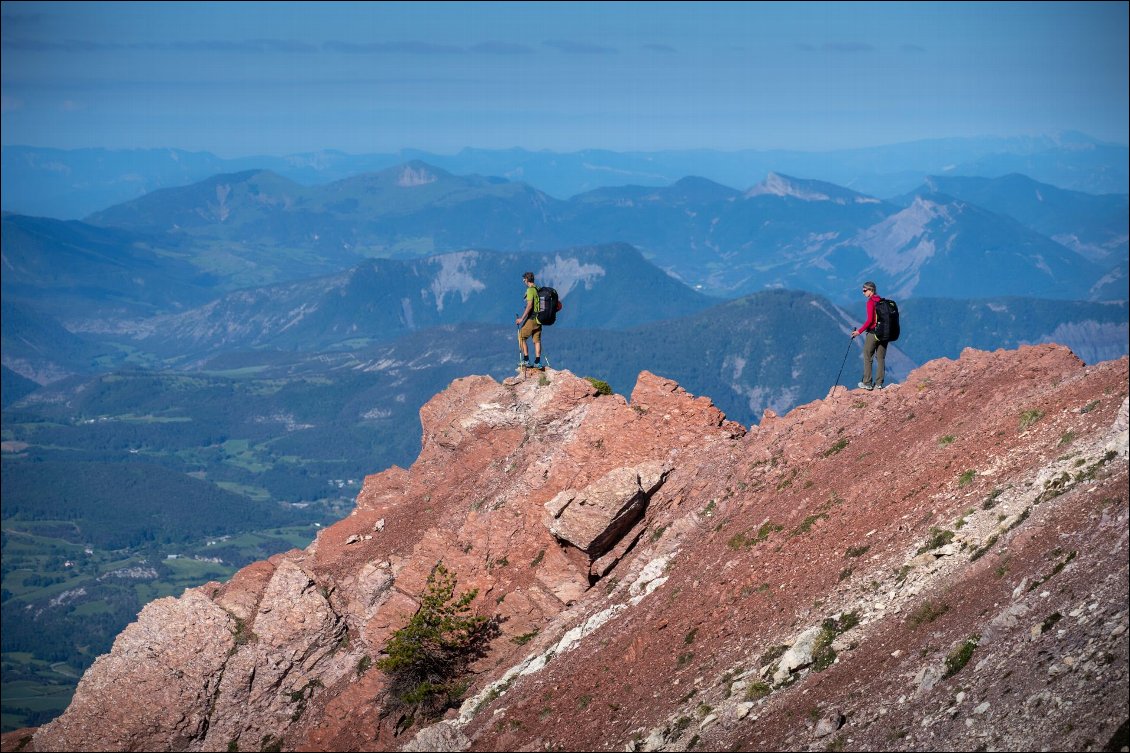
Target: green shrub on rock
426,659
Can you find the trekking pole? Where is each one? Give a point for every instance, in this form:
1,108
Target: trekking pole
838,375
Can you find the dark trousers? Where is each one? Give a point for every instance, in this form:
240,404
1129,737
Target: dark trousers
874,348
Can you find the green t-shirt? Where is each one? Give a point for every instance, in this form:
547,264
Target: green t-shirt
532,297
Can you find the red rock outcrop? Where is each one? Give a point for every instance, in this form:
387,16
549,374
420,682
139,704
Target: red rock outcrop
940,565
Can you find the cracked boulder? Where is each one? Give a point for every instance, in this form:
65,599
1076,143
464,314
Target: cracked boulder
594,518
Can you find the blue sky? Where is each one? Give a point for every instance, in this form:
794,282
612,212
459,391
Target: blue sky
238,79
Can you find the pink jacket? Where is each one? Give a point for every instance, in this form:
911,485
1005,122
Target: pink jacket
869,325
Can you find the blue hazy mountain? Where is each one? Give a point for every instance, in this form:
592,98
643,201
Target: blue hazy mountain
77,270
263,202
38,347
944,247
1096,227
410,210
13,386
784,232
71,184
380,300
254,260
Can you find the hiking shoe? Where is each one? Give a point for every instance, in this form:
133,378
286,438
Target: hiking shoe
538,366
523,364
865,386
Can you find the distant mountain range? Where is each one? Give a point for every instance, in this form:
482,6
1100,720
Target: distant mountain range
253,260
72,184
381,300
784,232
78,270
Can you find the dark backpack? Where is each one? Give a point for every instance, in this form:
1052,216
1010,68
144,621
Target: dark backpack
548,306
886,320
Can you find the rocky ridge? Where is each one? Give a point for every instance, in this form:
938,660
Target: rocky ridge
939,565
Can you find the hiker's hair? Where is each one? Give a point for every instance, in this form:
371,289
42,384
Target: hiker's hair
528,276
869,286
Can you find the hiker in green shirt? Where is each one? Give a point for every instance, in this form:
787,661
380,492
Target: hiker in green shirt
529,326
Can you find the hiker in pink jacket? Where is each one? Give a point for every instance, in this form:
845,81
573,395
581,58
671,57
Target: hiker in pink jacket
873,347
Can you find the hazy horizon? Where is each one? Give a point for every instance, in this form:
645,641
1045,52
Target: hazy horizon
456,151
238,79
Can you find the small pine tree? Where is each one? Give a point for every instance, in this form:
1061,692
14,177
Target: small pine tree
425,659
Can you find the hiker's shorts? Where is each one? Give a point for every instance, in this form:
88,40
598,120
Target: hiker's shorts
532,328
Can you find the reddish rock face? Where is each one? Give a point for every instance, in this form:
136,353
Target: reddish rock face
939,565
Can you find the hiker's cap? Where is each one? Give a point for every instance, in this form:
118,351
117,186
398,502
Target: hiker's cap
869,286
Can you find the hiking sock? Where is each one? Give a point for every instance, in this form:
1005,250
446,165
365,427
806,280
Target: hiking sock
537,360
